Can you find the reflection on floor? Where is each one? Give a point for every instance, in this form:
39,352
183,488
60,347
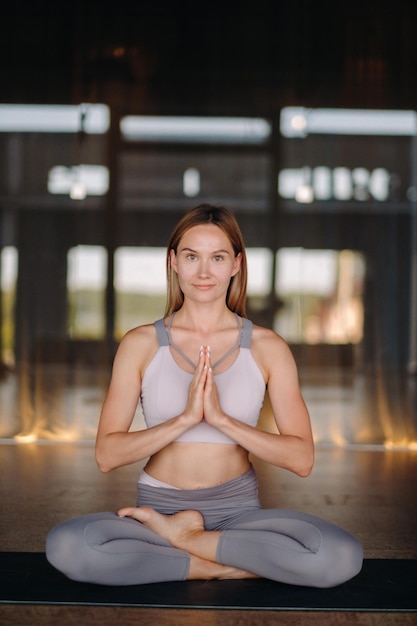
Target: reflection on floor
373,409
347,408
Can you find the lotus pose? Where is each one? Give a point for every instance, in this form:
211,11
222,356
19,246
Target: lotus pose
200,374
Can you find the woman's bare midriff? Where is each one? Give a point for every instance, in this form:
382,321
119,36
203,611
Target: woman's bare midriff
198,465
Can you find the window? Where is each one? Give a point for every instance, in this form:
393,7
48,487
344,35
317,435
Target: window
140,283
86,283
78,181
346,159
223,130
322,295
158,180
8,280
140,286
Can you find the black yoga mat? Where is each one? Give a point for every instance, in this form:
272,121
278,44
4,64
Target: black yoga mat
382,585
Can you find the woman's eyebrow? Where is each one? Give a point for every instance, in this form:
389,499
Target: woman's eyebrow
221,251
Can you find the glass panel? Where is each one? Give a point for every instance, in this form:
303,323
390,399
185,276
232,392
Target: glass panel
140,286
140,283
78,182
321,292
54,118
339,160
305,184
86,282
161,180
259,271
299,121
8,279
225,130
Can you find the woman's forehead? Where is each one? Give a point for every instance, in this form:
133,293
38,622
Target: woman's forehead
205,236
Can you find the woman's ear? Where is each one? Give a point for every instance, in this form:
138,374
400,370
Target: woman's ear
236,264
173,260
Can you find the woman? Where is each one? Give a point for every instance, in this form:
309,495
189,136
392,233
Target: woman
200,374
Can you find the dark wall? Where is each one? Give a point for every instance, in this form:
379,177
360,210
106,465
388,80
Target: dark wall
164,57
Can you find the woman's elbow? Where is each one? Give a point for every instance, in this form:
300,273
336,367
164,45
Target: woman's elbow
103,466
305,466
304,472
104,469
102,460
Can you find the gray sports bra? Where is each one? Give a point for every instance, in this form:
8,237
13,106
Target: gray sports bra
244,339
165,386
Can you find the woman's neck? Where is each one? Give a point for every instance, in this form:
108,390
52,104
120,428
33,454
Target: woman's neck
206,319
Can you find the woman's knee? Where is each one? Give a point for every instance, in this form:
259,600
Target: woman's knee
344,561
64,549
68,548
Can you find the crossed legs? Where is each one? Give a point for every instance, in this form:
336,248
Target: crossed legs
286,546
232,537
185,531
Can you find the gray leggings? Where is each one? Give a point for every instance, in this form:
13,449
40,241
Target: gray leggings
281,545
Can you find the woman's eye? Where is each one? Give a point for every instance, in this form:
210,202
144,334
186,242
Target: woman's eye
218,257
191,257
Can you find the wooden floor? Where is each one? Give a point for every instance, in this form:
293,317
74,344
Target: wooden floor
371,492
357,482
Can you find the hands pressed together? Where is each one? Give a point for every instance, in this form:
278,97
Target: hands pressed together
203,398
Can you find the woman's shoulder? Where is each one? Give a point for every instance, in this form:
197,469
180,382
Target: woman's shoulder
145,332
267,344
275,358
140,342
262,335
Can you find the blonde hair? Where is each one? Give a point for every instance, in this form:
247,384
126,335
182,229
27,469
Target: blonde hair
224,219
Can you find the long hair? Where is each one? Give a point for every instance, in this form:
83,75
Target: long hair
224,219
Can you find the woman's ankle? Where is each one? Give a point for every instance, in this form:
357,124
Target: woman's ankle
200,569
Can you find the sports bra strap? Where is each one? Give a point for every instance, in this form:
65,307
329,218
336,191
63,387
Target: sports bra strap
161,332
244,341
246,336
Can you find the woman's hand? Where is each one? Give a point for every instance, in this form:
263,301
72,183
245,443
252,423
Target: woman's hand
212,409
203,398
194,411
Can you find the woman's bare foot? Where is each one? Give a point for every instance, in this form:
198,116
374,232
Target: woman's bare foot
201,569
179,529
185,530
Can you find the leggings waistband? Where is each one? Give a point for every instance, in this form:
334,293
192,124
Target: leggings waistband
150,481
241,491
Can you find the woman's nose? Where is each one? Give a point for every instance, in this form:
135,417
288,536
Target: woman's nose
204,268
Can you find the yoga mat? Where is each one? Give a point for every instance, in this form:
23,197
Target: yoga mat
382,585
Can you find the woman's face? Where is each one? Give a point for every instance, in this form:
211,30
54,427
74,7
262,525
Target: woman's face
205,262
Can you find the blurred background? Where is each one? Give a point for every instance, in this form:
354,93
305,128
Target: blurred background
300,117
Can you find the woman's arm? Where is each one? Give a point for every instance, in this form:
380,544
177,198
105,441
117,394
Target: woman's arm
292,448
116,446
